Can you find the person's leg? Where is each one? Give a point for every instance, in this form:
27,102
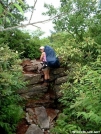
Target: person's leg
46,76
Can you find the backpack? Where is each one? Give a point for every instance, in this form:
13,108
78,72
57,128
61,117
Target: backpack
52,60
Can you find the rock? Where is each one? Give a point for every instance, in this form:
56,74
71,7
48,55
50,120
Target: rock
32,78
39,103
34,89
32,115
28,119
52,113
58,91
31,65
40,99
38,63
58,71
34,129
42,118
61,80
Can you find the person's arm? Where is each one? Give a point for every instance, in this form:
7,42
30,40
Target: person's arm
42,56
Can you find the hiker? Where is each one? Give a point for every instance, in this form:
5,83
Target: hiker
45,67
50,60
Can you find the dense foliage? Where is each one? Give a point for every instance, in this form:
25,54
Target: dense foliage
11,80
12,12
22,42
14,45
77,41
82,91
77,17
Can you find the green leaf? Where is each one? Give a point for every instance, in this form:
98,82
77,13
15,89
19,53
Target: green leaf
7,19
19,8
20,1
0,21
11,15
1,9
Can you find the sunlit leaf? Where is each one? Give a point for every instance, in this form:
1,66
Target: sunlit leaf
18,7
20,1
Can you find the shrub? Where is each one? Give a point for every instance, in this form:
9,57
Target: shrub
11,80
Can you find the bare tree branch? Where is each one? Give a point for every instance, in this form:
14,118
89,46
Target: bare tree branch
24,25
32,11
36,26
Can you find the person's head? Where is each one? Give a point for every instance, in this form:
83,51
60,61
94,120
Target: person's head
41,48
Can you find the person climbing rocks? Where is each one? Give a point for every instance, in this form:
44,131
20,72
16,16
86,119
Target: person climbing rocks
50,60
45,68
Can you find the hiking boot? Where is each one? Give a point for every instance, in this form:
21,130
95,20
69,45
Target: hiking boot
41,80
45,84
